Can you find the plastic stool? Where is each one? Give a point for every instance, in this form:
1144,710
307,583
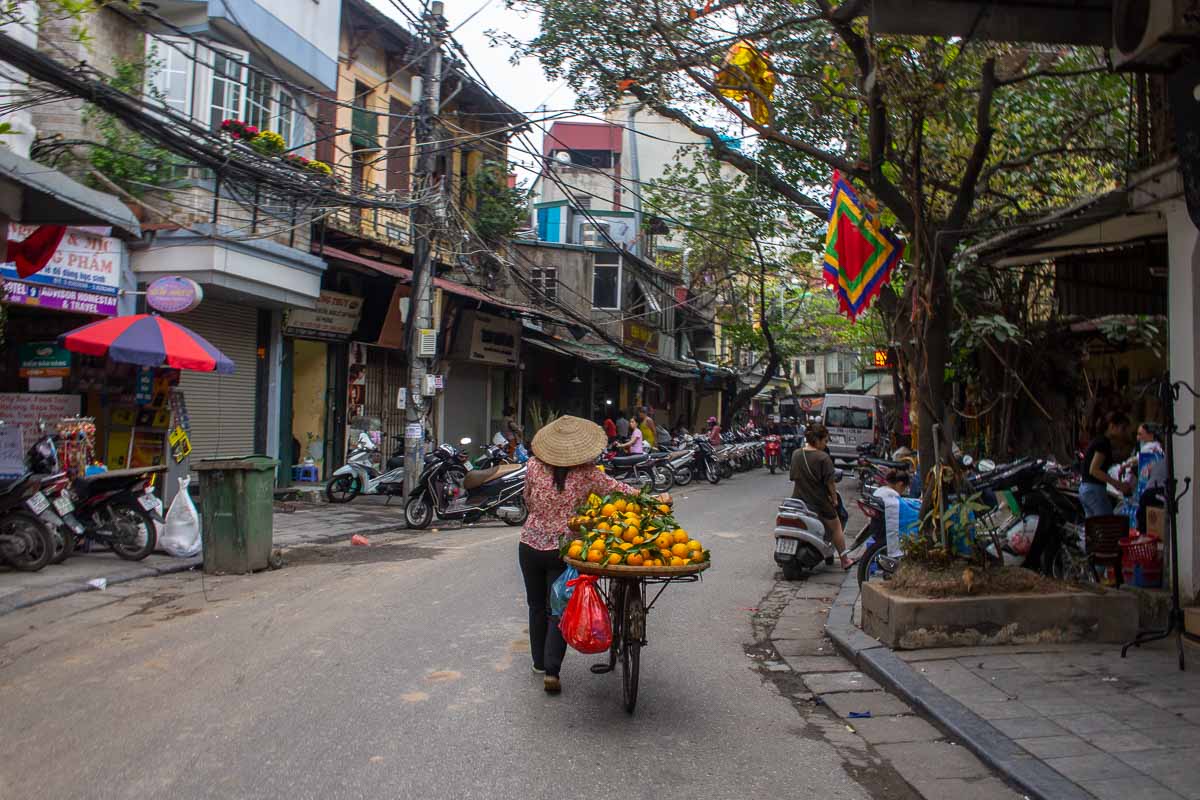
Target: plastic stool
305,473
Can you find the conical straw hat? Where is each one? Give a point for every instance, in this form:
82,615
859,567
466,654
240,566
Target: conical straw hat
568,442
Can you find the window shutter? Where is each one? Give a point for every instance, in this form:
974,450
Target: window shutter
399,149
326,124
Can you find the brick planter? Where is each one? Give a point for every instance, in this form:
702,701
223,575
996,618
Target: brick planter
911,623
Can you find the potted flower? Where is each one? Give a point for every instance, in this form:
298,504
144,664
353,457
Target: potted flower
237,129
269,143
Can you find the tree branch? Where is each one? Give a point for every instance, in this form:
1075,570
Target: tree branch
979,153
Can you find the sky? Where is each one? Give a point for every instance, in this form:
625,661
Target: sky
524,86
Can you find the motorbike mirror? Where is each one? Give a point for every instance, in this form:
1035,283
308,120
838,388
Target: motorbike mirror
967,461
466,440
987,465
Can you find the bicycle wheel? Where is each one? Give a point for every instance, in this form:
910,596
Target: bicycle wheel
632,638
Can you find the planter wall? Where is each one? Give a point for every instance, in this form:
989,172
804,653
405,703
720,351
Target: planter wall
910,623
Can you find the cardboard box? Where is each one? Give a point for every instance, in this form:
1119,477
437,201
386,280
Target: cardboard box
1156,522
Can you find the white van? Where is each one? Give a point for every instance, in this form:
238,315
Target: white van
852,420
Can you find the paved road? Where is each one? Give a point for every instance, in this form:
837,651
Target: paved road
402,671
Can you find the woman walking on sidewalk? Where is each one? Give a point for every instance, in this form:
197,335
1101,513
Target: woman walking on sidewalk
813,481
561,474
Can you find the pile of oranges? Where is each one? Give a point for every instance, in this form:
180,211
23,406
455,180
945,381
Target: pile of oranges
631,530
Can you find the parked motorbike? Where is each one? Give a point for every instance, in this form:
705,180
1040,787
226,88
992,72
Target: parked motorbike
773,452
705,461
26,541
800,540
119,509
59,517
450,488
651,470
360,475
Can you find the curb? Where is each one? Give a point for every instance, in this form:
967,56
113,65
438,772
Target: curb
1034,777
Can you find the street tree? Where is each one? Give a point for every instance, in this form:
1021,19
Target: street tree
950,137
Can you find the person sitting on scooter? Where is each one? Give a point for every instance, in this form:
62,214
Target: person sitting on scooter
900,513
813,481
714,432
634,445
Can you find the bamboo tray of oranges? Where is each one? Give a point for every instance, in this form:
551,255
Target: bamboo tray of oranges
622,535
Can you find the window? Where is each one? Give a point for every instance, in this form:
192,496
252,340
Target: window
606,280
292,122
810,366
228,79
842,417
545,280
646,306
840,369
169,80
593,233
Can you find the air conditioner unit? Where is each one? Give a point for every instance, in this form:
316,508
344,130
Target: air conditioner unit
427,346
1149,33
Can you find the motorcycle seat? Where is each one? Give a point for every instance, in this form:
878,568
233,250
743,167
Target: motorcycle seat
479,477
628,461
885,462
12,485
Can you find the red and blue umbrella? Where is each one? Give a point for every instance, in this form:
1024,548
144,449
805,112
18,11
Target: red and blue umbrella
147,340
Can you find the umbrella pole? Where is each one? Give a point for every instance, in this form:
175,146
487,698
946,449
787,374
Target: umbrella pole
129,455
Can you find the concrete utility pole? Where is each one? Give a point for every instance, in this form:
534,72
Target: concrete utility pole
424,222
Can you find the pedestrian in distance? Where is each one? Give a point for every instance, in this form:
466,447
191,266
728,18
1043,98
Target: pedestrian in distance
622,424
1093,493
511,429
714,432
813,481
634,445
561,474
646,426
610,428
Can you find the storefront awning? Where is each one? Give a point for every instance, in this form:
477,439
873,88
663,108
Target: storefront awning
39,195
405,275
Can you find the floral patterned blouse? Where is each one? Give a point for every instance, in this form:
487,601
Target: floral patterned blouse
550,510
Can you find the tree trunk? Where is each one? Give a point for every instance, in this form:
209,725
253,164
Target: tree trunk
934,351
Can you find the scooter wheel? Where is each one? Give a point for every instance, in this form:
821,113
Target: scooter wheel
418,512
792,571
341,489
712,473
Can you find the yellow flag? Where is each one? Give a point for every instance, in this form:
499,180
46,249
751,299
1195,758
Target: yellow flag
746,76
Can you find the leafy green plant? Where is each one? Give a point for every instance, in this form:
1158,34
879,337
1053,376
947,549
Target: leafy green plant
499,209
269,143
127,159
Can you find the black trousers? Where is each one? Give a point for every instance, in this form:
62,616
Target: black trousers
540,569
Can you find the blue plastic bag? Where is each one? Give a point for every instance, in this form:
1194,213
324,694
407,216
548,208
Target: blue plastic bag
521,454
560,593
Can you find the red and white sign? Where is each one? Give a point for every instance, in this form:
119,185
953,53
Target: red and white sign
84,260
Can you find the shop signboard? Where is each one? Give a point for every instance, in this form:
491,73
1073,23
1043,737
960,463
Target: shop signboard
641,336
83,260
488,339
58,299
335,318
174,294
24,410
43,360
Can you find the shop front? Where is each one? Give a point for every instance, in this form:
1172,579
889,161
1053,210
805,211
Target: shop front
315,346
480,375
246,287
40,382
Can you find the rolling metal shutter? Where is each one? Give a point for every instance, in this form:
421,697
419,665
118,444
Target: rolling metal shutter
222,407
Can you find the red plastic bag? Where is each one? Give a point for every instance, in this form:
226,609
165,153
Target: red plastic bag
585,624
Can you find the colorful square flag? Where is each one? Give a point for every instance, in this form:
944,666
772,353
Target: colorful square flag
859,254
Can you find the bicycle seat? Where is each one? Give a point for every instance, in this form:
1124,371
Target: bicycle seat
628,461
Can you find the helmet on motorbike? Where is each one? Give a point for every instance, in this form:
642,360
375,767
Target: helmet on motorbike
712,420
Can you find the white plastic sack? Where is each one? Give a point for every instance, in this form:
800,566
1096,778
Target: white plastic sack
181,534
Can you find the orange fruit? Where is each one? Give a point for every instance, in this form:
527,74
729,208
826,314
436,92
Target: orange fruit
630,534
634,528
637,540
620,505
679,550
680,536
625,547
614,558
697,557
615,530
635,559
597,543
694,544
595,556
603,526
608,510
664,509
576,551
577,542
664,541
677,562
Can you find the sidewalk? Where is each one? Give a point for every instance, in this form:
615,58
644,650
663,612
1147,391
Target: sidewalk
294,524
1059,721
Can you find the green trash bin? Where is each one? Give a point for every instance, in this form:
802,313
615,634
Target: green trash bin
237,512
